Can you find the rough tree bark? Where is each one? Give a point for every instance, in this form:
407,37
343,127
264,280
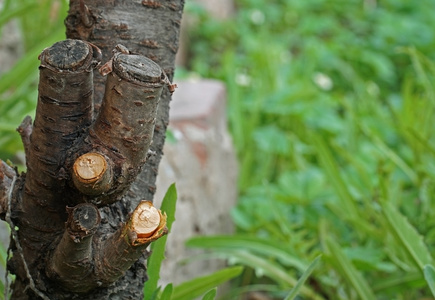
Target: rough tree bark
80,222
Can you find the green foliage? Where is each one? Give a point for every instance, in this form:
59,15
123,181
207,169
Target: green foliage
331,106
210,295
294,292
346,269
41,24
265,257
204,285
189,289
167,293
407,237
259,246
158,247
429,275
198,286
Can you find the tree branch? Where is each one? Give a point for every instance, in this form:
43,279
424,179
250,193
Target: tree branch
64,110
25,130
149,28
80,266
124,128
7,175
72,261
146,224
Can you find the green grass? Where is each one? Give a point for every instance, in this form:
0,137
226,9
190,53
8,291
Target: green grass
196,287
331,108
41,24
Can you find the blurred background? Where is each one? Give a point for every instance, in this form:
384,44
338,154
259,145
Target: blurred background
330,106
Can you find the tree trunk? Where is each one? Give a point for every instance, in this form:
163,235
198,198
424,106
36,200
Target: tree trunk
81,217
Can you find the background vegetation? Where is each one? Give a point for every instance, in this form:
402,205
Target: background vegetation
41,24
331,107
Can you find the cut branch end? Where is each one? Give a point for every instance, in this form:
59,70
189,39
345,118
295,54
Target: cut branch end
71,55
83,220
92,174
146,220
146,224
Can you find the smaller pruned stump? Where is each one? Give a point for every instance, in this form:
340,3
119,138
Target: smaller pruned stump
82,262
145,221
92,175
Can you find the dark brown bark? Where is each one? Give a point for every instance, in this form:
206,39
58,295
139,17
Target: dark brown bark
7,176
81,240
124,128
82,262
71,262
149,28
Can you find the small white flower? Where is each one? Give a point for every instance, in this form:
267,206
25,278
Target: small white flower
372,89
257,17
178,135
193,77
243,79
323,81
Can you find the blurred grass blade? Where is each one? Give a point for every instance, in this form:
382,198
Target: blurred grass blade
295,291
345,267
429,275
211,295
423,141
268,248
7,14
7,127
158,247
29,63
417,60
236,291
3,255
268,268
398,280
155,294
407,236
169,205
395,158
167,292
333,174
2,290
198,286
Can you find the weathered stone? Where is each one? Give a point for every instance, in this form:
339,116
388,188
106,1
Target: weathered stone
202,163
222,9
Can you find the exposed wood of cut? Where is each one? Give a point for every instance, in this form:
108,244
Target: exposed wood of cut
91,174
145,220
